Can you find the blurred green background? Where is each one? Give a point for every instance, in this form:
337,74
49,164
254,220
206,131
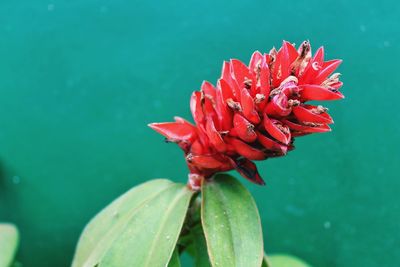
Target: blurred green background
81,79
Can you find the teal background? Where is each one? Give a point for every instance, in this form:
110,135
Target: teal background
79,81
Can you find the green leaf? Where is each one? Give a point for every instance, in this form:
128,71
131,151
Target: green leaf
174,261
16,264
140,228
231,224
266,262
200,247
282,260
9,239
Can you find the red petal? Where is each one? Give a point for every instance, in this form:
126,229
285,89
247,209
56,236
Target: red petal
265,80
197,148
280,69
174,131
272,128
208,106
195,107
264,83
227,76
292,51
315,92
224,112
271,144
313,67
182,120
215,138
208,89
249,108
248,170
327,69
319,56
306,128
198,116
256,59
209,110
310,72
202,161
278,106
268,58
336,85
243,128
226,90
305,113
246,151
226,71
239,71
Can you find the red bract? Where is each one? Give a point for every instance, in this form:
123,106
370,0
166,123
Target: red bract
255,111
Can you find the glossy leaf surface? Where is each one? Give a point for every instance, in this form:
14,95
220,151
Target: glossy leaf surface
231,224
140,228
174,261
201,258
8,244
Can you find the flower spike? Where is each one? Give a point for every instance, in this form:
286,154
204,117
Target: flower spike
255,111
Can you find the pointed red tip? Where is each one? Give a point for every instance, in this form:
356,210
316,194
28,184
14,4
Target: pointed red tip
248,170
174,130
151,125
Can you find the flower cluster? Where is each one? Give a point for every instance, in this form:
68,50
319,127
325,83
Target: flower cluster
254,112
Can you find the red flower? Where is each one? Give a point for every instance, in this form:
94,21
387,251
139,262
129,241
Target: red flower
255,111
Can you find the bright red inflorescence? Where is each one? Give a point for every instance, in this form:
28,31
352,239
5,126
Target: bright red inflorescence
255,112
